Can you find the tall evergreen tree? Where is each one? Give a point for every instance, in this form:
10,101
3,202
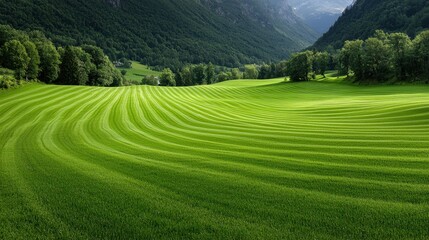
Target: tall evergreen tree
73,71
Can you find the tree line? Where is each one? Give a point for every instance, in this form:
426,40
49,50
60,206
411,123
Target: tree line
382,58
205,74
32,56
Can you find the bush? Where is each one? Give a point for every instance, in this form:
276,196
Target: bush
7,82
150,80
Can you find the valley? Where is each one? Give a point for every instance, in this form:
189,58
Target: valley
214,119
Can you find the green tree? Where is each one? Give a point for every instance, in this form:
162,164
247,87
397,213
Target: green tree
186,76
150,80
210,73
179,79
222,76
265,72
199,74
118,78
49,61
400,45
353,57
273,70
97,54
236,73
320,62
73,69
103,74
251,72
282,69
7,33
126,63
376,60
33,65
421,53
15,57
167,78
299,66
344,61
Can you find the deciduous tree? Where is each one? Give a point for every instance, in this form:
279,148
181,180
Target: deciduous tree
15,57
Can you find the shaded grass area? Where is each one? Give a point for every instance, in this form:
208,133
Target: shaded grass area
138,72
235,160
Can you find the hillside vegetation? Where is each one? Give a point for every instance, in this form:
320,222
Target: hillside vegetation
361,21
384,58
138,71
30,56
167,32
236,160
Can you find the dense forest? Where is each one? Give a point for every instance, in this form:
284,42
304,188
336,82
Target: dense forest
31,56
382,58
364,17
168,33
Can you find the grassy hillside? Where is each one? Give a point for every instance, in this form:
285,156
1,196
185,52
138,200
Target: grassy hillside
241,159
138,71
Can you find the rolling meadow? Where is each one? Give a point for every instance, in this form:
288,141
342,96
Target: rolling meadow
243,159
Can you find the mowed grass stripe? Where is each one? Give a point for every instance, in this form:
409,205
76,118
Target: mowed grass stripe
14,173
245,159
260,149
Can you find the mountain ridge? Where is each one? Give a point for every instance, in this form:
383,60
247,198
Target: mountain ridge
162,32
319,15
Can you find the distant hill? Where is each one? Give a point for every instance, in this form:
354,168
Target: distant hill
319,15
365,16
168,32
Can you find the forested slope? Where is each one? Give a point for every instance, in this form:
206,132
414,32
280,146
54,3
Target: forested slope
361,20
165,32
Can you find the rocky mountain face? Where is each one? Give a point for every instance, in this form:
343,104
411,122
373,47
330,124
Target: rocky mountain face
319,15
269,14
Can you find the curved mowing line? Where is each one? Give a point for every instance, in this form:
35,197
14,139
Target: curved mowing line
238,160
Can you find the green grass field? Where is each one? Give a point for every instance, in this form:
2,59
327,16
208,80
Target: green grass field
236,160
138,71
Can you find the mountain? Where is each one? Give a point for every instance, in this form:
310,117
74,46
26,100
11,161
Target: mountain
271,14
319,15
365,16
168,32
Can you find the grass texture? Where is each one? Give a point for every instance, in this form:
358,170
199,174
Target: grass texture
235,160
